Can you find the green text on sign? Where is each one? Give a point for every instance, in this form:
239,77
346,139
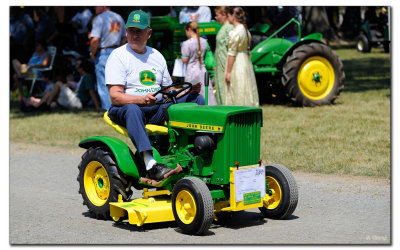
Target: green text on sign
251,198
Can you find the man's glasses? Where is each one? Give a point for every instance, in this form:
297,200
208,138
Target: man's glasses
136,31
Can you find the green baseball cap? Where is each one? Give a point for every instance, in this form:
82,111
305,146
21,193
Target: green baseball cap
138,19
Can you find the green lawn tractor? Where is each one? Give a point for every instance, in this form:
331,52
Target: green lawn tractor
215,154
308,72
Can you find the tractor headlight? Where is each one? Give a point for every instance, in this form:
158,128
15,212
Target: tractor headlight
204,143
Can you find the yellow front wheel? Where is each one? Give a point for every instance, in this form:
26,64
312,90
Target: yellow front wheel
192,206
281,196
100,182
274,196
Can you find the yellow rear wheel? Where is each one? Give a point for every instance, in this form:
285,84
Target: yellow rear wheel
313,75
100,181
316,78
97,183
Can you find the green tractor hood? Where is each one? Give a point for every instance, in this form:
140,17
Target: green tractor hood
205,118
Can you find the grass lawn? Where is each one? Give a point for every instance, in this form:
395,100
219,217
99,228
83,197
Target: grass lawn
351,137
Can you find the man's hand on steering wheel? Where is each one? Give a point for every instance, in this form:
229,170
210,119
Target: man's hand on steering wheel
149,99
172,93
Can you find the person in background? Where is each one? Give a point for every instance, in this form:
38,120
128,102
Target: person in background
45,27
197,14
21,34
106,35
71,83
240,78
39,59
46,78
81,97
21,39
221,51
193,51
80,22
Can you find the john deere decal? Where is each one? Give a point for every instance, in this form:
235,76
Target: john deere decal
147,78
136,18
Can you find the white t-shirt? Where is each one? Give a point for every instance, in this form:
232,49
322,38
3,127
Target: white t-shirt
109,27
139,73
199,15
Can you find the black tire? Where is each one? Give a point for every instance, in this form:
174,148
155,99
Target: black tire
363,45
101,181
313,75
283,206
192,206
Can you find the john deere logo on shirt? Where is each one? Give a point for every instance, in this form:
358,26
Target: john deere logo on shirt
136,18
147,78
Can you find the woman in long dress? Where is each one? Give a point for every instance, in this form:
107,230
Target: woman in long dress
193,51
221,52
240,78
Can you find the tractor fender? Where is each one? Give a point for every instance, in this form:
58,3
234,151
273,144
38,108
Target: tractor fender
274,51
311,38
270,51
126,160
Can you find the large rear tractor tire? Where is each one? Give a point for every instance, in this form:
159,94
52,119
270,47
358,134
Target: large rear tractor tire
192,206
313,75
101,181
281,200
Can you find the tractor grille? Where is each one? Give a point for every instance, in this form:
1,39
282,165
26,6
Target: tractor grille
243,133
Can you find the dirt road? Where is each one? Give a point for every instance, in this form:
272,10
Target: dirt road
45,208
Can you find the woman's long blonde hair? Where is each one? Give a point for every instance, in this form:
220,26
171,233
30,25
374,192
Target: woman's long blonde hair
194,26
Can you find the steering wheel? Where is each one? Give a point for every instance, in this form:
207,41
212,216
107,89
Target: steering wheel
173,93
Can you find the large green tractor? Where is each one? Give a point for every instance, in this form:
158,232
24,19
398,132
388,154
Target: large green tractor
215,154
307,72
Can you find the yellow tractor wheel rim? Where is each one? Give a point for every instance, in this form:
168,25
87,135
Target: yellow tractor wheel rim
316,78
185,205
97,183
274,199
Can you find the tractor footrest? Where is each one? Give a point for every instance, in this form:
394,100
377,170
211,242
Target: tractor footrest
155,183
143,210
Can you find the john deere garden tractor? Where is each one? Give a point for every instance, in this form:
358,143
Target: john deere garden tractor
215,154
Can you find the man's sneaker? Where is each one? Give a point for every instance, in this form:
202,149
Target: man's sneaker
158,171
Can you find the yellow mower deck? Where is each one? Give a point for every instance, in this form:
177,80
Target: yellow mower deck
144,210
156,206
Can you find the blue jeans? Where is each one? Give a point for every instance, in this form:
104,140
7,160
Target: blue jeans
134,119
100,66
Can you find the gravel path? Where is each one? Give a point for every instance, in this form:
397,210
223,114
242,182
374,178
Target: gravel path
45,208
